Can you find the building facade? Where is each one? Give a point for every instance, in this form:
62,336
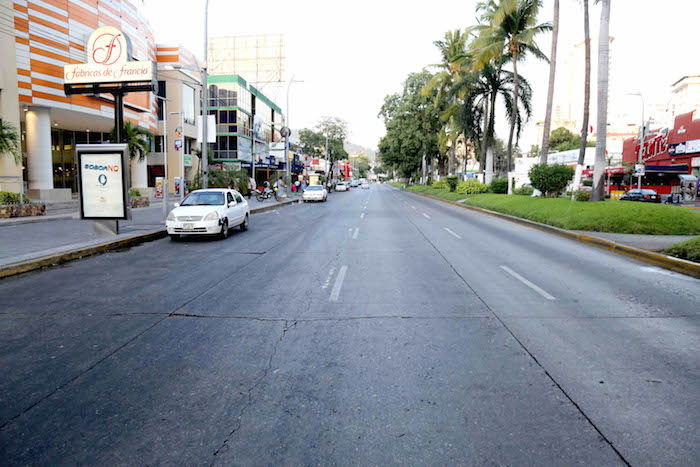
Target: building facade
47,35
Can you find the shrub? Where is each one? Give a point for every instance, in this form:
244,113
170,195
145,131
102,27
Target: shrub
471,187
429,182
582,195
7,197
551,180
440,184
499,185
524,191
587,183
134,193
452,182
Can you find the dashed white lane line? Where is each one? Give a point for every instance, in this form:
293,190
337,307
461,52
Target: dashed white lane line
362,216
357,231
328,279
452,233
338,283
413,206
427,216
527,282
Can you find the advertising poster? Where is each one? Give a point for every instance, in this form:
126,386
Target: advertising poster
159,187
178,185
102,185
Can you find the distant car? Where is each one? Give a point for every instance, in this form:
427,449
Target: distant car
342,186
354,183
315,193
365,185
208,212
642,195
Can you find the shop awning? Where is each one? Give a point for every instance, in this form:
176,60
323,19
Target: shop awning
672,169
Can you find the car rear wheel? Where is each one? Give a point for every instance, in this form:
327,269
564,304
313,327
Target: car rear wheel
224,230
244,225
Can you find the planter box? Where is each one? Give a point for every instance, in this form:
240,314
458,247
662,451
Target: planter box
140,202
15,210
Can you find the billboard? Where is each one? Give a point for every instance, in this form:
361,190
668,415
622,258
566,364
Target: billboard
103,180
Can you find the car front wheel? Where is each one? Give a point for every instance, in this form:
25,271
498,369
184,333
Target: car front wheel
224,230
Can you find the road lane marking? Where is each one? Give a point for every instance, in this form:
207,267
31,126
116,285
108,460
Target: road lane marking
357,231
527,282
452,233
427,216
413,206
328,279
338,283
362,216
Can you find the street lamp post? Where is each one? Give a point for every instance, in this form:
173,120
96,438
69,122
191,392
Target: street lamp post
205,100
166,184
642,136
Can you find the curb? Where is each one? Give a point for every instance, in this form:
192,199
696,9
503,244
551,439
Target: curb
70,255
668,262
38,219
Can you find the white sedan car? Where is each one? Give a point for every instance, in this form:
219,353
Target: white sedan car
342,186
208,212
315,193
365,185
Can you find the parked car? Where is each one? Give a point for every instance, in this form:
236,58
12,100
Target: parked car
354,184
643,195
315,193
208,212
341,186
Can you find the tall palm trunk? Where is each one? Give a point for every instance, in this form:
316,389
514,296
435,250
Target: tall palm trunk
550,90
598,193
586,97
453,156
515,109
485,139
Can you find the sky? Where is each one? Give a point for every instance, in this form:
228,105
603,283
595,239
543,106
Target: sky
350,55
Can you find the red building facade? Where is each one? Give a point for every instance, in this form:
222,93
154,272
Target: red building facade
667,153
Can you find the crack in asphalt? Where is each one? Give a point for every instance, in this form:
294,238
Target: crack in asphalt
249,393
165,316
522,345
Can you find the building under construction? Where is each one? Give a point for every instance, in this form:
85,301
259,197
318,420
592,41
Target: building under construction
258,58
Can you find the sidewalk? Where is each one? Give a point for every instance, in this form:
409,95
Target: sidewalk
54,235
644,242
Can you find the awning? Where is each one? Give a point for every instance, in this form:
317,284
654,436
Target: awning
674,169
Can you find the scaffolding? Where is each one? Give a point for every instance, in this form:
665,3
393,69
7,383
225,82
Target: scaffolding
259,59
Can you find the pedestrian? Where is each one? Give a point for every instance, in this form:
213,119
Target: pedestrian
294,189
297,185
303,186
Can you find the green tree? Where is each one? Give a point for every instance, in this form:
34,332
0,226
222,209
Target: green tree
336,130
9,141
361,164
313,143
412,126
510,28
136,138
453,52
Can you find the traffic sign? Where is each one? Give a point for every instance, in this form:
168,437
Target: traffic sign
285,132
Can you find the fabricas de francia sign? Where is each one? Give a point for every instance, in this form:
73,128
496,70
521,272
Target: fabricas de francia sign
108,51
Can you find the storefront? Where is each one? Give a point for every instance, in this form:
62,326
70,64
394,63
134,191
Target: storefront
666,155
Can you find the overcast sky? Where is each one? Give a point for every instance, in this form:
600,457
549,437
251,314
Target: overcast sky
351,54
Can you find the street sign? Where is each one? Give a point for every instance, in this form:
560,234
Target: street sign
103,180
159,187
285,131
178,144
639,170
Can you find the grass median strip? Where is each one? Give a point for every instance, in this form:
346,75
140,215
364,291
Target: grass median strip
608,216
690,250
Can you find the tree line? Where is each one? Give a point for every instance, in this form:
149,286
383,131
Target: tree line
459,98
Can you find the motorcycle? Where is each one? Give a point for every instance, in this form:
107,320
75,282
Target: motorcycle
267,194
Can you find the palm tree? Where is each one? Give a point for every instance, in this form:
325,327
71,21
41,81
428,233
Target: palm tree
480,92
9,141
453,53
509,28
598,193
586,97
550,90
134,135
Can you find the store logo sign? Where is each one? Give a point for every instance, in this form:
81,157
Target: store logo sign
108,54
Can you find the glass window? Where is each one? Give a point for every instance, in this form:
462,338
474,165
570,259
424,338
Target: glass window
204,198
188,104
229,197
158,144
161,93
238,197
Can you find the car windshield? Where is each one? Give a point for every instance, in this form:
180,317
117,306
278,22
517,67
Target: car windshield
315,188
648,192
204,198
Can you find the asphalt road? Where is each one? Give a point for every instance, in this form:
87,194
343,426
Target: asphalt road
377,328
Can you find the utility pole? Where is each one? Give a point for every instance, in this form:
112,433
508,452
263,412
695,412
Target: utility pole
641,137
205,100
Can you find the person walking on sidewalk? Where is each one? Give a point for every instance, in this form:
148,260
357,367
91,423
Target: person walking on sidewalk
294,189
297,184
303,186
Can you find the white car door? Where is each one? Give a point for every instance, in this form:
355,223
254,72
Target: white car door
230,209
241,205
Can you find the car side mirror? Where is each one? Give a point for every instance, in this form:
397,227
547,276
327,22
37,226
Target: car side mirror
231,204
176,205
